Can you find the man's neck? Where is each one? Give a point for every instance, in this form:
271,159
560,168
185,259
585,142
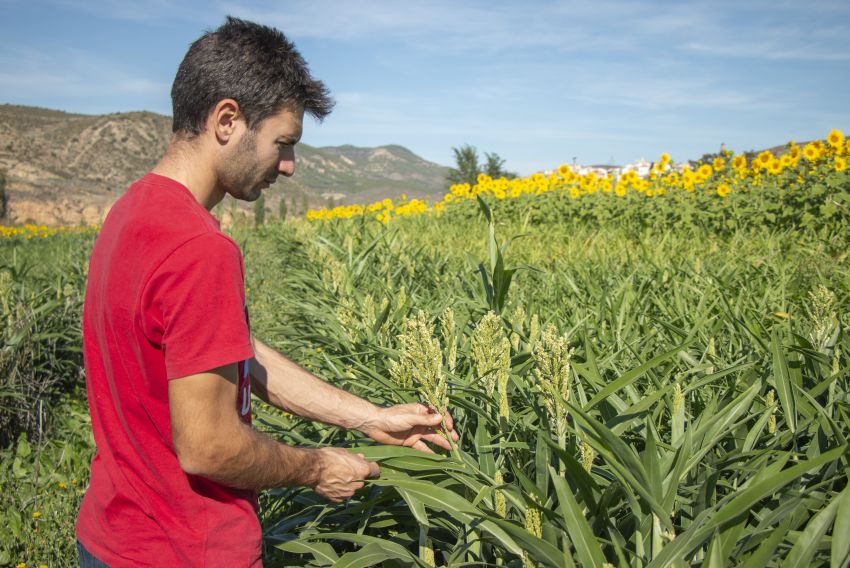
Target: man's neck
186,163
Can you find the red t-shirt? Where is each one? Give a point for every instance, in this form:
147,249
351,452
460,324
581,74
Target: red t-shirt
165,299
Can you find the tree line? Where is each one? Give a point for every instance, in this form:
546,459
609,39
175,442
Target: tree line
468,166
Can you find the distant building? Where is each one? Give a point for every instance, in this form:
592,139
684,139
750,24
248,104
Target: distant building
333,196
640,167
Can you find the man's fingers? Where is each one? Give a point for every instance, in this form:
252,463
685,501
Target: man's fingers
431,417
450,424
437,419
374,470
422,447
368,469
438,440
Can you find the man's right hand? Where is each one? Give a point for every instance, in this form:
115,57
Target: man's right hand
210,440
341,473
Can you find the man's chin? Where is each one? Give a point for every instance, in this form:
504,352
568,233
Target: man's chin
253,194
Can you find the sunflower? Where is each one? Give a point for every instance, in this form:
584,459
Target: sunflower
811,152
704,171
835,139
564,170
840,164
739,161
765,157
774,167
719,163
723,190
665,158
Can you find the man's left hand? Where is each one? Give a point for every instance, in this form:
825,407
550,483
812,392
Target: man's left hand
410,425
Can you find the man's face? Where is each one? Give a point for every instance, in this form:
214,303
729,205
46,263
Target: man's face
260,155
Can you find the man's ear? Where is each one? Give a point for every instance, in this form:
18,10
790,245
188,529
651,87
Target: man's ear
223,120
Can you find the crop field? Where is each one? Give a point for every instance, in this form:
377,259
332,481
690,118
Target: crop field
643,372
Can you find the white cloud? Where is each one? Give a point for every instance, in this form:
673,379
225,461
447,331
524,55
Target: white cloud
768,48
149,11
30,73
445,25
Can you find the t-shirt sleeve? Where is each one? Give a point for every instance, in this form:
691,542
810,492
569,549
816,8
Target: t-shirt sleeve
193,306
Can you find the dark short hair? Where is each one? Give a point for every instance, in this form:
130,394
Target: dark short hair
253,64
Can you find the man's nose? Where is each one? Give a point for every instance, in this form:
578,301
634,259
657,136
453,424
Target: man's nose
286,167
286,161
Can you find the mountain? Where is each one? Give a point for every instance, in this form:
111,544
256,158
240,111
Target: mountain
65,168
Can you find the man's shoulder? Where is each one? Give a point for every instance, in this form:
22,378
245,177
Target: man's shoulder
155,207
154,219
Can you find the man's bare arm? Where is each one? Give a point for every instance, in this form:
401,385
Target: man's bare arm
284,384
280,382
210,440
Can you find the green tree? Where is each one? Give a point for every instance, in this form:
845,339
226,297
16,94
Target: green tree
467,168
282,208
260,210
495,166
4,197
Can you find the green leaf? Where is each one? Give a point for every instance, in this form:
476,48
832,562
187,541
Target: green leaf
369,555
486,461
631,375
841,546
810,539
741,503
378,453
537,548
541,462
783,382
24,450
416,506
395,549
766,550
587,547
714,558
756,431
622,459
485,209
442,499
321,551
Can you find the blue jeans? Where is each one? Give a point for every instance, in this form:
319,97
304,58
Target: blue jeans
87,559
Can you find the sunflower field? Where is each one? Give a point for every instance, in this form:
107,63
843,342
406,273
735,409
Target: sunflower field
644,371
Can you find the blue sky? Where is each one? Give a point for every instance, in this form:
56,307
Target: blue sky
539,83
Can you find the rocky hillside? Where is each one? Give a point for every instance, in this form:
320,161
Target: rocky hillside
65,168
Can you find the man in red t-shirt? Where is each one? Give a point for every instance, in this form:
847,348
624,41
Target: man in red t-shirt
169,358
